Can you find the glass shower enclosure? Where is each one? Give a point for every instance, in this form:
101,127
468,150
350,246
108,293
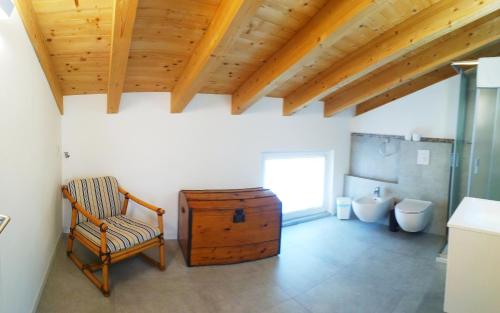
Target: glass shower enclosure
484,169
476,152
476,157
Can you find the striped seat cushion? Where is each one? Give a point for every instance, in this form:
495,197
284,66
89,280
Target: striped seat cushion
123,232
99,196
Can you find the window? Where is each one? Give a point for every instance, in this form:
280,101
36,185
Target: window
299,180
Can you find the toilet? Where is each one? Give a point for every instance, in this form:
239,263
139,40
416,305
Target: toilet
413,215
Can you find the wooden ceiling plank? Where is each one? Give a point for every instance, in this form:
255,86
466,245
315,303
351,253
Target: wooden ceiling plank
303,48
424,27
429,79
459,44
228,23
28,16
124,13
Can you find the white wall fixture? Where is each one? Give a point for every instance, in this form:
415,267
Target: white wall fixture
6,8
423,157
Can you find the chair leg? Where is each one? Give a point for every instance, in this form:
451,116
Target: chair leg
105,277
69,245
87,269
162,255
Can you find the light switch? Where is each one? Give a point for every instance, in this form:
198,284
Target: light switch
423,157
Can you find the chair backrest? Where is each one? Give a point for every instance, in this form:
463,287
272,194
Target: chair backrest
99,196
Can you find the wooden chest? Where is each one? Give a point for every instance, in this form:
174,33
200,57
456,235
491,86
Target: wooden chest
228,226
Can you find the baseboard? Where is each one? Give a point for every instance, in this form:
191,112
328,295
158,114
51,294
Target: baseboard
441,259
304,219
46,276
443,255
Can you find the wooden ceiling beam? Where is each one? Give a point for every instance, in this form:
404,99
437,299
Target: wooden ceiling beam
229,20
424,27
406,89
124,12
28,16
412,86
442,52
321,31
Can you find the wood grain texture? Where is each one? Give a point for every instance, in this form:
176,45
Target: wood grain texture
78,37
30,21
433,56
209,234
107,258
421,82
324,29
383,16
124,12
428,25
166,32
283,49
234,254
230,18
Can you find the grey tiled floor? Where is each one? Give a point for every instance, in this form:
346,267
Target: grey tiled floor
325,266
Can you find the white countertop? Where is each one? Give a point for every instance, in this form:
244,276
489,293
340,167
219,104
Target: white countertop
477,215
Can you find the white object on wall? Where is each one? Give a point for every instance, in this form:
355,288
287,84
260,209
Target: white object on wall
488,73
423,157
30,167
154,153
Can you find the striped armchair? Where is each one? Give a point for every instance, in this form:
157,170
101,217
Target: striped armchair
99,223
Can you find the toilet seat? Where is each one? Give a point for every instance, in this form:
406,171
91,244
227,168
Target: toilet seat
410,206
413,215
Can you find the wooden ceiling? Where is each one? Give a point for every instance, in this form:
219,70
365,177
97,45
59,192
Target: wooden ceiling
361,53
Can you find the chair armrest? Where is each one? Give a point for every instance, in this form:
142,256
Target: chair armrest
149,206
94,220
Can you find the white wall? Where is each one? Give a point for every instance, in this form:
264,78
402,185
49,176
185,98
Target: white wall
154,154
431,112
30,171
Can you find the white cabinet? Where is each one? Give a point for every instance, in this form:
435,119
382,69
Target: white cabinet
473,270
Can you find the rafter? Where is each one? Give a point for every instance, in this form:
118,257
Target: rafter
27,13
124,12
230,18
426,26
456,45
429,79
322,30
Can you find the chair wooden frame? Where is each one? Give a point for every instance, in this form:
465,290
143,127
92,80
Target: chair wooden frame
105,257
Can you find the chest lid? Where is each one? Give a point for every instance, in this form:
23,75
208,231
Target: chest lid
230,198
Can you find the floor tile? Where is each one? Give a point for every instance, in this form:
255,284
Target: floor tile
325,265
348,293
